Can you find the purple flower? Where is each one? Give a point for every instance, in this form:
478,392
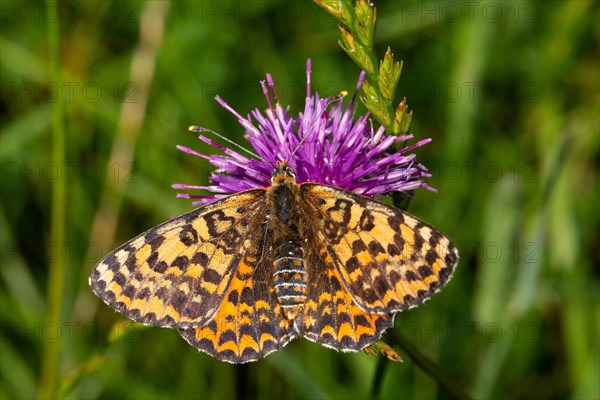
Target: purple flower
323,144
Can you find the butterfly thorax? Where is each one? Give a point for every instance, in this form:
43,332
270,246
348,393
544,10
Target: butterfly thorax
289,273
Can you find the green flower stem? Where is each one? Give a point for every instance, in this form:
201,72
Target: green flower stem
382,363
143,63
427,365
50,357
357,32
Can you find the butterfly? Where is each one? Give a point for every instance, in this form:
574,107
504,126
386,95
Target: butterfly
243,276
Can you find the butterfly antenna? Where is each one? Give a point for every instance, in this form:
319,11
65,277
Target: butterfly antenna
338,97
196,128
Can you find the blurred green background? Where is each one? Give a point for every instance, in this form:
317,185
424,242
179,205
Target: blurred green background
95,96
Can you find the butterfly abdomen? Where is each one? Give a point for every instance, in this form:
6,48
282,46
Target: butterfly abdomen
290,278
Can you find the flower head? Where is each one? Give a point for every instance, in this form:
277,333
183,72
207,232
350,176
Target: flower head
323,144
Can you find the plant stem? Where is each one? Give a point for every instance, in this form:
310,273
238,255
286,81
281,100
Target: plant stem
50,357
357,31
428,366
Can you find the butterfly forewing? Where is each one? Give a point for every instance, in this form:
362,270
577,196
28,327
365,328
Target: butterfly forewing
178,273
387,259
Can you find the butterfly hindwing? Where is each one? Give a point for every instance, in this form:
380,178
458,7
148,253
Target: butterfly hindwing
177,274
387,259
249,323
331,317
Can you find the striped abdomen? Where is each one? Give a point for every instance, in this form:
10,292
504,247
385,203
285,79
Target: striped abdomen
290,278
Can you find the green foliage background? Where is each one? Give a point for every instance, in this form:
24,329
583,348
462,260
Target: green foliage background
95,96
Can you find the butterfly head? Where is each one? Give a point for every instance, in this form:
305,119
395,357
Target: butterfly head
283,173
